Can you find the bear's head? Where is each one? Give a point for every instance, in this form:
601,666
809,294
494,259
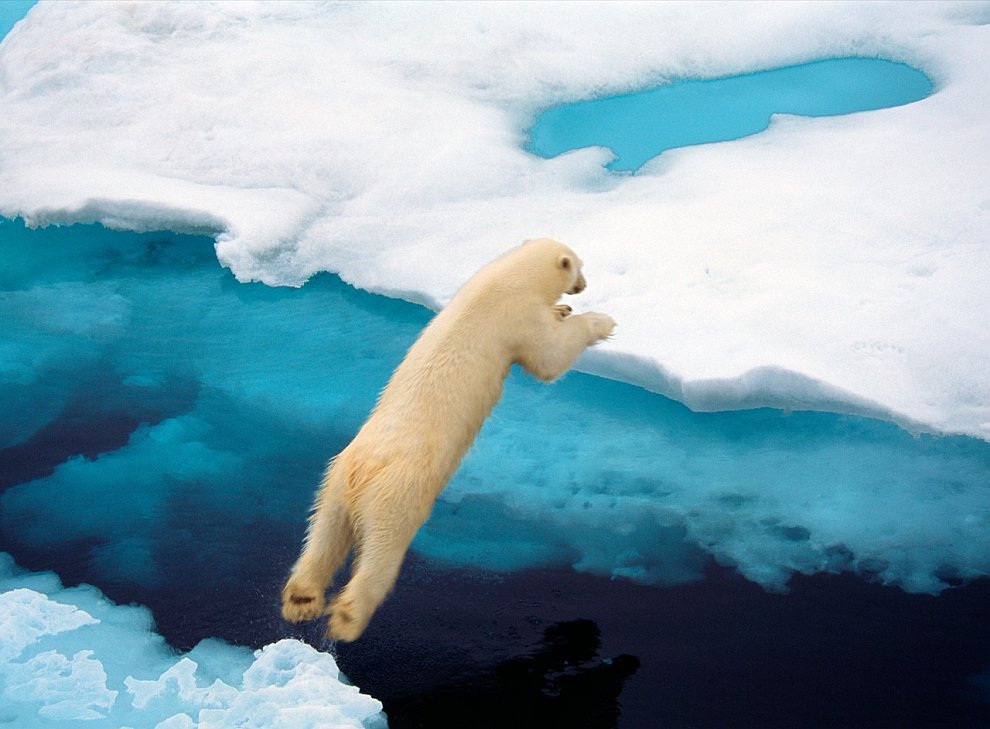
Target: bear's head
571,264
565,264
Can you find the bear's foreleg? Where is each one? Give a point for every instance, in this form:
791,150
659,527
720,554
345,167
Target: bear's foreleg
328,541
563,342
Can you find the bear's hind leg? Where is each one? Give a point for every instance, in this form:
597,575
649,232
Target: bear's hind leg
328,541
380,553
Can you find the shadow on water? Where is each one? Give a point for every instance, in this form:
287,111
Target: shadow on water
719,653
563,683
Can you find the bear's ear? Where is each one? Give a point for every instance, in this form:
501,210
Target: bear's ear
565,261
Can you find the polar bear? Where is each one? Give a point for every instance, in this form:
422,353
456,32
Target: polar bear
381,488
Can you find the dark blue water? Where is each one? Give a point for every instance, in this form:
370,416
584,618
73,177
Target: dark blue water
162,428
641,125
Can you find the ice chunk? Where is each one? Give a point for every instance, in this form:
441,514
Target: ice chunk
71,657
67,689
178,684
27,615
291,685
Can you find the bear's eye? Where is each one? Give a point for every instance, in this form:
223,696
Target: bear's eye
565,262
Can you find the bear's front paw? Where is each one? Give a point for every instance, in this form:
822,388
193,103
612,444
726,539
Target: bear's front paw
302,601
562,311
602,325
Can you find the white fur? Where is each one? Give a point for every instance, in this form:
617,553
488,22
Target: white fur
381,488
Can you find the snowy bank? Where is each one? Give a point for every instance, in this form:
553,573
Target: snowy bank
832,264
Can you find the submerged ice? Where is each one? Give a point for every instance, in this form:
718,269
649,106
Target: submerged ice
830,264
193,416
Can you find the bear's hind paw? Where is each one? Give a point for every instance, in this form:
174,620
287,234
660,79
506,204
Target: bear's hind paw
345,624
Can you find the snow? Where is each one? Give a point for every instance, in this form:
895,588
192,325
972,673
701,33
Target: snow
830,264
125,676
